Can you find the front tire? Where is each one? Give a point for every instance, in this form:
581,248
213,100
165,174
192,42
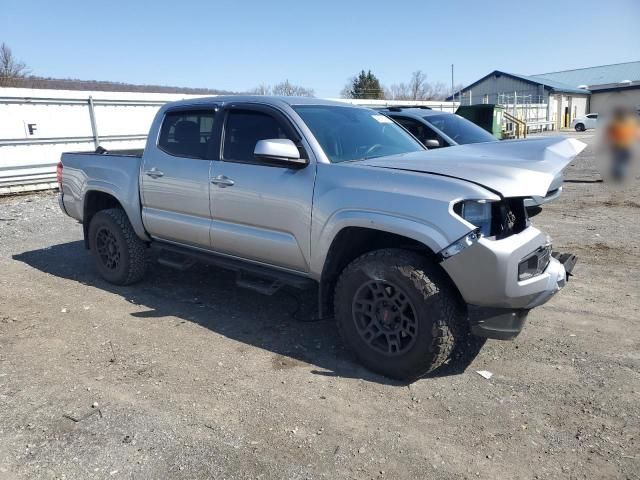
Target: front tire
580,127
398,313
119,254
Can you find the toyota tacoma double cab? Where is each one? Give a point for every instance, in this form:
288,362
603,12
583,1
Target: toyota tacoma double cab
412,251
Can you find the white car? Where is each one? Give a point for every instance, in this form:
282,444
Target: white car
583,123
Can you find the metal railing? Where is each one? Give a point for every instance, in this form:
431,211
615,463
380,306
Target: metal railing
17,175
62,140
80,101
519,126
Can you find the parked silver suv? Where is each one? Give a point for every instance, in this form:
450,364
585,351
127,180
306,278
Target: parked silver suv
411,250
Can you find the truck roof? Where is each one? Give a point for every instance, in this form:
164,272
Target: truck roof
263,99
419,112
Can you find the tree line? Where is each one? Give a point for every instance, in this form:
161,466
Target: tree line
367,85
15,73
364,85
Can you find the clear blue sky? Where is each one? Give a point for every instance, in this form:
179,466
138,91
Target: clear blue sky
237,45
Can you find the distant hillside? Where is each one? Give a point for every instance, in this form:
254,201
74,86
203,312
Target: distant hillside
102,86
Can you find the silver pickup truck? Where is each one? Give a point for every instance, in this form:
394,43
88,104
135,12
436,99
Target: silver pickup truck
411,250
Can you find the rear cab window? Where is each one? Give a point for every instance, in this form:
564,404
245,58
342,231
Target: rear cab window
187,133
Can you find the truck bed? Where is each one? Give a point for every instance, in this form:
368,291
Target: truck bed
131,152
100,172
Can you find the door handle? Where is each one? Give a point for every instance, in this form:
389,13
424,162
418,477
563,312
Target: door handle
222,181
154,173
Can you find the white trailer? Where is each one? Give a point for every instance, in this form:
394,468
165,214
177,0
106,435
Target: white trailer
37,126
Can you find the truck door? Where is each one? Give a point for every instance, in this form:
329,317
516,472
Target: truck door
175,177
260,212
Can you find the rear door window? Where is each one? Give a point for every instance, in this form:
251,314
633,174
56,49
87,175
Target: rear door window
187,133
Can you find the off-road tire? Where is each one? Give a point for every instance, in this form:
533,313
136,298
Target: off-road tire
439,311
132,262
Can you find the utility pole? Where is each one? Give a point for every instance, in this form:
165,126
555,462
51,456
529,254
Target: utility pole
453,93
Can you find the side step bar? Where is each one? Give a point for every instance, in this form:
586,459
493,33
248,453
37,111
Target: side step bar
265,286
261,279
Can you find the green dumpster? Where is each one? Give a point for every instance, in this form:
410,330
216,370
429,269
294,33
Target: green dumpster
484,115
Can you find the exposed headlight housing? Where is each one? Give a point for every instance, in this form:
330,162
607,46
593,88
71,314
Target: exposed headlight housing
494,219
477,213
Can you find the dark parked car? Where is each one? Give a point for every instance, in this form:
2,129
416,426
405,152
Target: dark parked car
437,129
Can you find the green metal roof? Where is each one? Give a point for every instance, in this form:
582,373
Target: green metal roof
552,84
592,76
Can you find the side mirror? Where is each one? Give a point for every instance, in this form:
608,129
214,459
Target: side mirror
281,151
432,144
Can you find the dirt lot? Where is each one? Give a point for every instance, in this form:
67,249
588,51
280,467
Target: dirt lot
194,378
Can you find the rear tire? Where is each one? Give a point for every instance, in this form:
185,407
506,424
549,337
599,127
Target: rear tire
398,313
580,127
119,254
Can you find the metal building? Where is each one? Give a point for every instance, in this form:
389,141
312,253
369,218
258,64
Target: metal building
542,104
608,84
552,100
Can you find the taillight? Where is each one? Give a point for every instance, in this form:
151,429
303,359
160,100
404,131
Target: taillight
59,174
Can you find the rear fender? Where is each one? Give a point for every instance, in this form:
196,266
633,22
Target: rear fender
130,203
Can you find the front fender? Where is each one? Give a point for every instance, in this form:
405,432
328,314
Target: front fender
418,230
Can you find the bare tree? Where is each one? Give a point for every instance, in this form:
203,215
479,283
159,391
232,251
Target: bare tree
261,89
398,91
288,89
10,67
439,91
419,88
285,88
446,91
346,90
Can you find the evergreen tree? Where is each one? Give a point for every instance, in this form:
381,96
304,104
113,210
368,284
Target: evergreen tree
365,85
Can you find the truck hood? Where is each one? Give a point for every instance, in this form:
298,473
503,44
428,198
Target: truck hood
513,168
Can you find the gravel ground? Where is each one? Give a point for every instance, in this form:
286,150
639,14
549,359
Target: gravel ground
185,376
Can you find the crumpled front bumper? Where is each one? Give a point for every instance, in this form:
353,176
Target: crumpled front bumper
486,275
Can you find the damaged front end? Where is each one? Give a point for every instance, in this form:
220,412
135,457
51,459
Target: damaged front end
503,266
506,270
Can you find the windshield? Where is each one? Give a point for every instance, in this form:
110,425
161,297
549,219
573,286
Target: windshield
348,133
459,129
